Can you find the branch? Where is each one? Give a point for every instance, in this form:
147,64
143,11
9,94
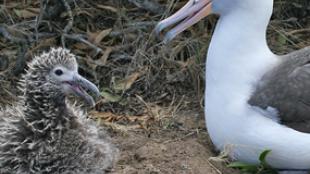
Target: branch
148,5
43,5
6,34
81,38
69,24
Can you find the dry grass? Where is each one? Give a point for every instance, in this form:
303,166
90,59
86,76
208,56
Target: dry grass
117,49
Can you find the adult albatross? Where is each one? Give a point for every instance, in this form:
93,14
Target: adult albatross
255,100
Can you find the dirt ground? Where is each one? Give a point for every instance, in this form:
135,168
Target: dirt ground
181,149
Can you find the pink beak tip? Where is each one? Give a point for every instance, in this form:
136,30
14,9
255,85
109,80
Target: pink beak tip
159,27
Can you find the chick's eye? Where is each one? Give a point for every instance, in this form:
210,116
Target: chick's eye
58,72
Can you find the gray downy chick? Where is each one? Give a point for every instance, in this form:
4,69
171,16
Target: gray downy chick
43,132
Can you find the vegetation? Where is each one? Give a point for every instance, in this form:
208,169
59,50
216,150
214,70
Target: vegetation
116,45
117,49
262,168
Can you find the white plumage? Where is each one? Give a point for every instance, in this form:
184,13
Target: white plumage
239,64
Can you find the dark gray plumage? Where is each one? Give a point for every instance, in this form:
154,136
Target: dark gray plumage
287,89
44,133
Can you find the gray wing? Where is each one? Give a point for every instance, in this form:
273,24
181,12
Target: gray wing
287,89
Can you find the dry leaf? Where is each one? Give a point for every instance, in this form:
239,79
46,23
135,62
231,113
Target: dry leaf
90,63
110,117
97,36
104,58
10,5
106,116
27,13
81,46
126,83
96,114
45,42
34,10
105,7
122,128
102,35
81,12
110,97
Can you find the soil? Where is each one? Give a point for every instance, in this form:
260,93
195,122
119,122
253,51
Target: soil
182,149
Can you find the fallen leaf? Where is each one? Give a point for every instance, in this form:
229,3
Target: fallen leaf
84,12
97,36
102,35
126,83
110,119
105,7
107,116
81,46
122,128
110,97
10,5
104,58
27,13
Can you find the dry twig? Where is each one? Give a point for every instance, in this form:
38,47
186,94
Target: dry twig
69,25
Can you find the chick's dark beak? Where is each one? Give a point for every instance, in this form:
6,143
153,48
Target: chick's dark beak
80,85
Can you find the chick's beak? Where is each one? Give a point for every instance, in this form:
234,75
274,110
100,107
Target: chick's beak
187,16
79,86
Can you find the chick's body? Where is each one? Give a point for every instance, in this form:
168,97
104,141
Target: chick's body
44,133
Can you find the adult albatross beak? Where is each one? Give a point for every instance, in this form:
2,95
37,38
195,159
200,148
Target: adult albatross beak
79,85
187,16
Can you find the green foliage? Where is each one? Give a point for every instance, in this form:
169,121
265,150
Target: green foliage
110,96
262,168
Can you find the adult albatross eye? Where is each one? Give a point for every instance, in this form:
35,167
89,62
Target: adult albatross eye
58,72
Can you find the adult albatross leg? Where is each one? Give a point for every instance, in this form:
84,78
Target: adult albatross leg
246,84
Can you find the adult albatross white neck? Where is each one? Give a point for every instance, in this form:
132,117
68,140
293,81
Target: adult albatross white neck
250,92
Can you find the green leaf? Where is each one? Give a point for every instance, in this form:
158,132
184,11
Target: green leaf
238,164
263,155
262,168
17,12
244,167
111,97
282,39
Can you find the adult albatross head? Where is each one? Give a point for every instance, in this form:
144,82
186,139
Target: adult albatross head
195,10
56,74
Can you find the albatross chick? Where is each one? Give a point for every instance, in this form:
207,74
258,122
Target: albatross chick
44,133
